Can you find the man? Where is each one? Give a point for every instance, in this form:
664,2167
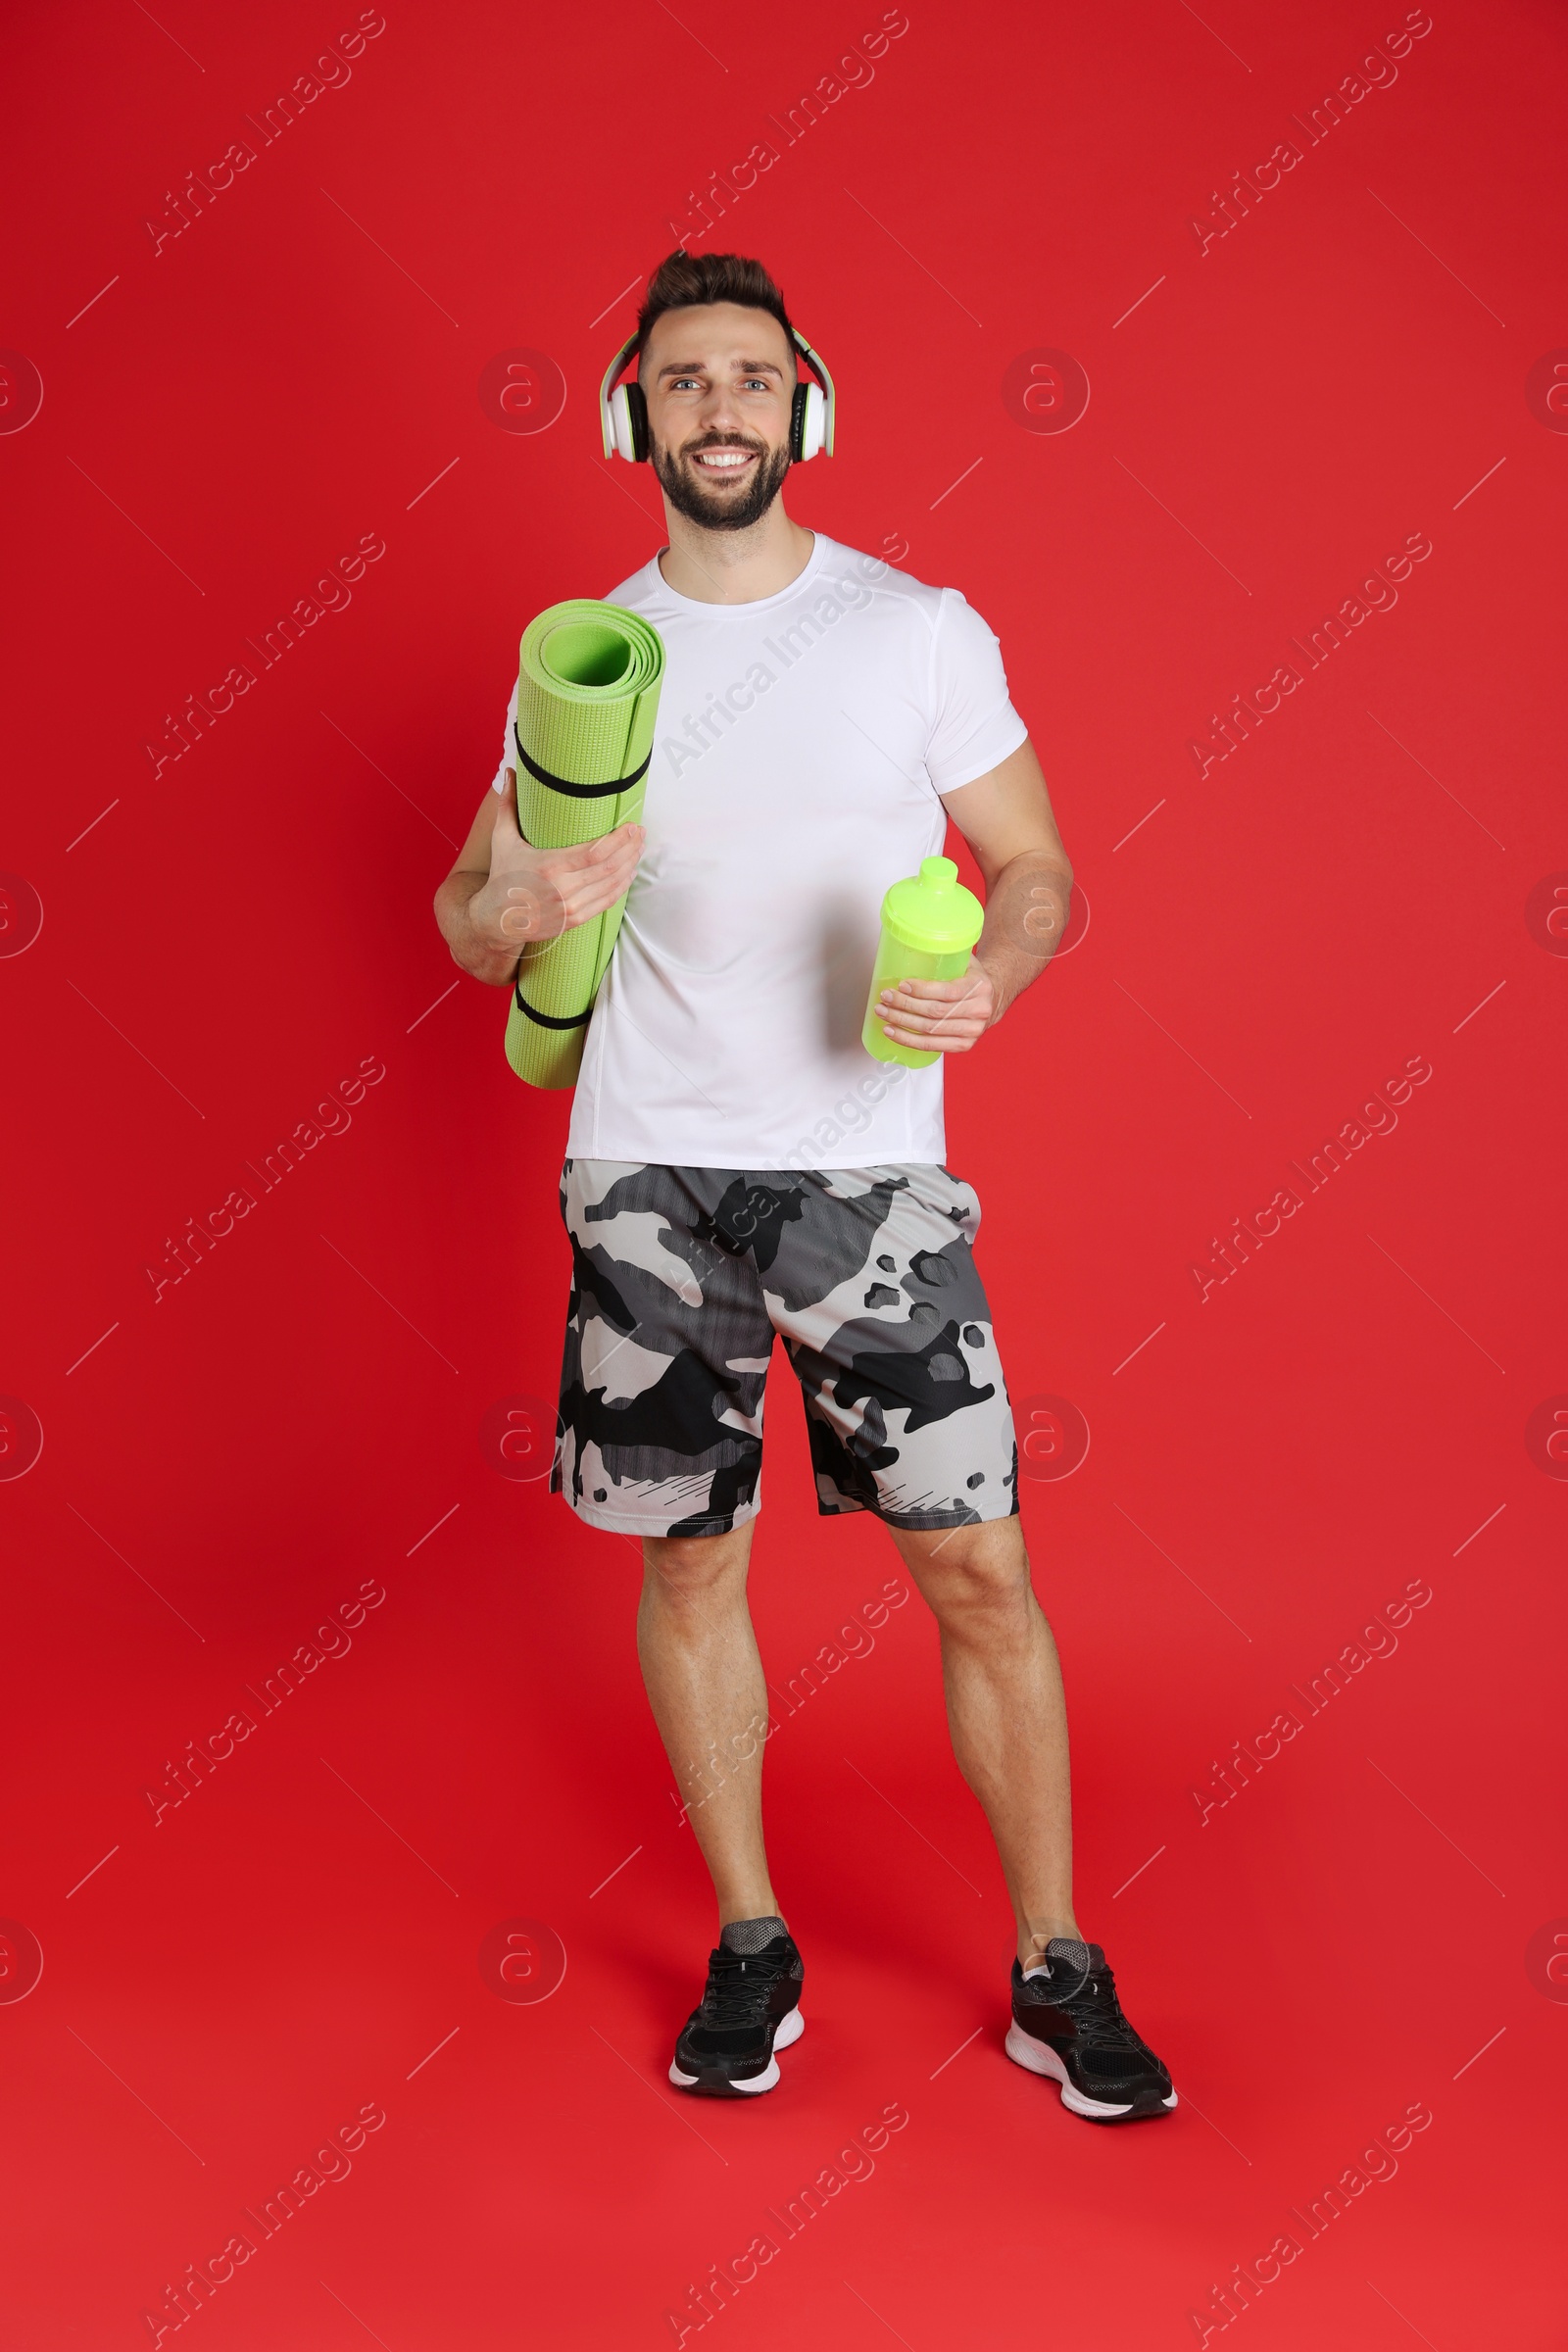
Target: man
739,1166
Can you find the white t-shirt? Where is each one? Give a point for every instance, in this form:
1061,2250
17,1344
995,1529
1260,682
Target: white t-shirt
800,744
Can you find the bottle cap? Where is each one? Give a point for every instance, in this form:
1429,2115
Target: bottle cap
932,912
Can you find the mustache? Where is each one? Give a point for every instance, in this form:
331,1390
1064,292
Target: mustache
693,449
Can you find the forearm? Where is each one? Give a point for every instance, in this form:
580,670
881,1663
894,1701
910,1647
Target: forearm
1026,916
472,951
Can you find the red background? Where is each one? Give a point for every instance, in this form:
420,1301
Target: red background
222,419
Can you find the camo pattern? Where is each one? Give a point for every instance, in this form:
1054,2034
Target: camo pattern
682,1279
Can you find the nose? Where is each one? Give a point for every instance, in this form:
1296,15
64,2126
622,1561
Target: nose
719,413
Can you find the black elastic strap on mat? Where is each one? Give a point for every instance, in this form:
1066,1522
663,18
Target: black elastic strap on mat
550,1020
579,792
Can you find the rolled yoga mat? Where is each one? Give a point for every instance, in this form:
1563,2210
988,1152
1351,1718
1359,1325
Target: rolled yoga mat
588,683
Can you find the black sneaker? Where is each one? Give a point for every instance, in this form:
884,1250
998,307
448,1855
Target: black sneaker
749,2008
1067,2024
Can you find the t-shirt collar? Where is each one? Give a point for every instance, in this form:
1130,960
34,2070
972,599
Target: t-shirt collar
803,578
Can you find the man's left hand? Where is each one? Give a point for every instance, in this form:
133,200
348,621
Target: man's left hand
940,1016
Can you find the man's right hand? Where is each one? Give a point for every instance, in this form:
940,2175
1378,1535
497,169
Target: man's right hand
534,894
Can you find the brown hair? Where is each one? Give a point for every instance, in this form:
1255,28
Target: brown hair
683,280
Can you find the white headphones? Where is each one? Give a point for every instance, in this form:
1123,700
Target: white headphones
623,410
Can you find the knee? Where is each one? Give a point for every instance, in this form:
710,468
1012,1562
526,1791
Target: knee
692,1567
978,1574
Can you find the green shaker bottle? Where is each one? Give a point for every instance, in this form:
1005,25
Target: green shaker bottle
929,924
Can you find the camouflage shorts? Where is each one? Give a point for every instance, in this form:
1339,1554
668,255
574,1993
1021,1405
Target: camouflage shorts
681,1278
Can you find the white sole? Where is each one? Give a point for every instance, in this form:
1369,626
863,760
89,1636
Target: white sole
791,2029
1041,2059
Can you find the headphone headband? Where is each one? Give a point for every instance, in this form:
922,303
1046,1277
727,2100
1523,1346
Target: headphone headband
608,387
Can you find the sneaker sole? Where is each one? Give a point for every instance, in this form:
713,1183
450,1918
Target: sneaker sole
725,2087
1040,2059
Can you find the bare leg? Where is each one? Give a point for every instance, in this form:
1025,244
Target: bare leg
1006,1710
705,1684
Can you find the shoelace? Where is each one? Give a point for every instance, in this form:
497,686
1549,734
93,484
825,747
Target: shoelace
738,1988
1096,2014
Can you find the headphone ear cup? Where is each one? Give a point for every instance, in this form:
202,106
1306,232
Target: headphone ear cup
807,422
628,423
620,422
637,412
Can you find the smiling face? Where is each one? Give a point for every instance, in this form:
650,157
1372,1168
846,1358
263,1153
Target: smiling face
718,381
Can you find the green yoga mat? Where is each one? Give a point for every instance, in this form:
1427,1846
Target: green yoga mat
588,682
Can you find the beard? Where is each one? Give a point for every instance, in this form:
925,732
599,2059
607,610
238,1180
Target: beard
718,510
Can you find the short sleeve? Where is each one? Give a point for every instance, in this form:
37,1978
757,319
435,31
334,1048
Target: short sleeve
973,723
508,757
